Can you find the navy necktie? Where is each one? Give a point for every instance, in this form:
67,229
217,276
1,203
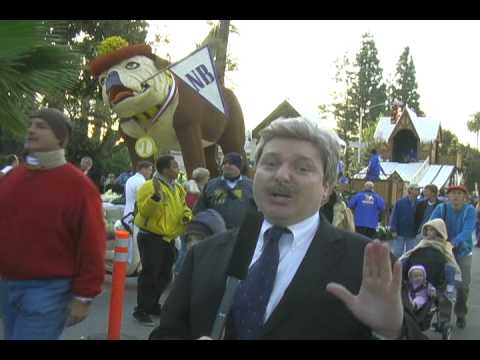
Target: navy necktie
253,293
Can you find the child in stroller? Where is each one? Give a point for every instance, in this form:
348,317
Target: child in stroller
430,272
419,290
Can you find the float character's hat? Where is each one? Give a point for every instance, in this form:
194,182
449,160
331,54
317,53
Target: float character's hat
114,50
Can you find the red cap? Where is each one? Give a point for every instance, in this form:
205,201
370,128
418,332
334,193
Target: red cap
457,187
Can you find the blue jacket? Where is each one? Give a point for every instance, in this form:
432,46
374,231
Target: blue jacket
402,220
367,206
477,226
374,167
460,225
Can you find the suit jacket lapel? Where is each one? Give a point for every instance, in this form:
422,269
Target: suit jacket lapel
324,253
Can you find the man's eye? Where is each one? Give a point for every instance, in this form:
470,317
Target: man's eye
132,65
302,168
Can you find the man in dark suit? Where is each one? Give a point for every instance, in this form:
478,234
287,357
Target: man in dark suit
316,268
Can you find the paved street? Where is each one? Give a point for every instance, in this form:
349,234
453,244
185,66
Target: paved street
95,326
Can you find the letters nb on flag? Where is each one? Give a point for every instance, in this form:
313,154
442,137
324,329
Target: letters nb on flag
198,71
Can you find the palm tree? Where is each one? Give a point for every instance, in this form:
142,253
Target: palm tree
34,62
474,124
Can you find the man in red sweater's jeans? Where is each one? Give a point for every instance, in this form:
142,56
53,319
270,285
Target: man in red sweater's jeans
52,236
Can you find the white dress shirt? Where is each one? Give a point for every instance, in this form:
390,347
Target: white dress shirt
131,187
293,248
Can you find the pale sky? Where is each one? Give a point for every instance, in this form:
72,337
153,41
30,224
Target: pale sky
295,60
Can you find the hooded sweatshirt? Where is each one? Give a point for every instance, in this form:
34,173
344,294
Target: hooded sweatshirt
443,245
460,225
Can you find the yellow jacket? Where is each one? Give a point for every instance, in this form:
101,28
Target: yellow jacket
166,217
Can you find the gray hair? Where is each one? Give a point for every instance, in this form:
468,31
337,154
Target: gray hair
413,187
369,185
199,173
302,128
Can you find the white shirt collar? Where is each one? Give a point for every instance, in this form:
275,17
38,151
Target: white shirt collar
299,230
139,174
232,181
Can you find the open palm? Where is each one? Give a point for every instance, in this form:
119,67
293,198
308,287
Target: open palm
378,304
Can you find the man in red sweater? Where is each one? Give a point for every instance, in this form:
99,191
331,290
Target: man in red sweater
53,236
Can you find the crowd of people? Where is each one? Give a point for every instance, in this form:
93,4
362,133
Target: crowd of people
407,223
314,251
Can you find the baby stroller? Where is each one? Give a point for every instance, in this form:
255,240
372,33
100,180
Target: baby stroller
439,305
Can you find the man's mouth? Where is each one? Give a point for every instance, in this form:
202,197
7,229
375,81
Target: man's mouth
280,195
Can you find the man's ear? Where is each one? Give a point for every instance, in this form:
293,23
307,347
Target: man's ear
326,194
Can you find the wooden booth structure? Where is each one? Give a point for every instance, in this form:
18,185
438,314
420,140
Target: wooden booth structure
409,147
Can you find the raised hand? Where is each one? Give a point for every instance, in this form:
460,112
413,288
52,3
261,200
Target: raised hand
378,304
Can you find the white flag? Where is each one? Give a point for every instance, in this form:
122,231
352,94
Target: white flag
198,71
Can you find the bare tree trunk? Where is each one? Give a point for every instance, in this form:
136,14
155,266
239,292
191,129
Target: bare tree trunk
221,55
106,147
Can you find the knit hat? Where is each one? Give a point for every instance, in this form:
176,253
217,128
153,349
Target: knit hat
416,283
234,159
417,267
198,228
439,226
207,222
57,121
457,187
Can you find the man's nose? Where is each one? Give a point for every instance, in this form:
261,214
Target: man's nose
283,172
